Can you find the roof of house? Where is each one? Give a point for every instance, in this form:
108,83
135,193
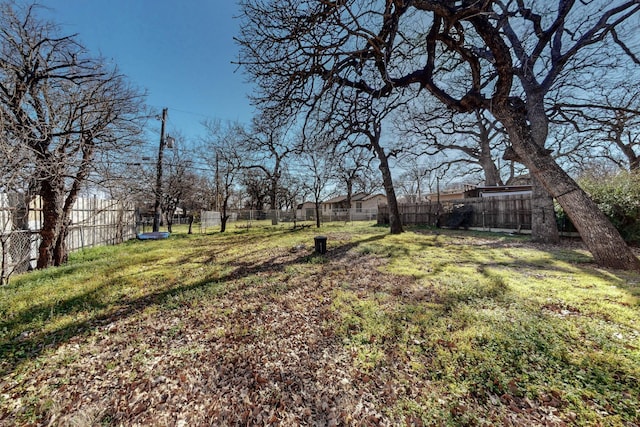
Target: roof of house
358,197
505,188
305,205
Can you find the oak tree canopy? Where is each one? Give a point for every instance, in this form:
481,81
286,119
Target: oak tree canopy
505,57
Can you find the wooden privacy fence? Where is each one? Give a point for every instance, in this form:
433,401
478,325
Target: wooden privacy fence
96,222
505,212
93,222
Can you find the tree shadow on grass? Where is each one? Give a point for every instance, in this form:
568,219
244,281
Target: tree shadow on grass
337,259
27,345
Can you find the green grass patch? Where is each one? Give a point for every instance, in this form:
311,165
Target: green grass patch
436,327
502,324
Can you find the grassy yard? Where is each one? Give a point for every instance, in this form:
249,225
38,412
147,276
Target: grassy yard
250,327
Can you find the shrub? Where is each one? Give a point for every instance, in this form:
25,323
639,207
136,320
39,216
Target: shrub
618,196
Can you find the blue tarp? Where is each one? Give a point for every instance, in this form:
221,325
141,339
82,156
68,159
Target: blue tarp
155,235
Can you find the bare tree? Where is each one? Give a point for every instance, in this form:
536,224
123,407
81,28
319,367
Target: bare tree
291,190
605,125
64,106
256,192
266,148
472,138
506,57
418,177
355,121
178,179
197,196
361,122
318,163
222,144
353,167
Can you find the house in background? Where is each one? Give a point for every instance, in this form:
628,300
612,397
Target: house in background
504,190
517,186
461,192
364,206
306,211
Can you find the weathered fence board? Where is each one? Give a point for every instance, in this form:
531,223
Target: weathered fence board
93,222
507,212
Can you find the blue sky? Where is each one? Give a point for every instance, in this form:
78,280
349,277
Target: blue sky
180,52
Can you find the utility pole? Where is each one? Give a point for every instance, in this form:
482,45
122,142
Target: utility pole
157,206
438,201
217,184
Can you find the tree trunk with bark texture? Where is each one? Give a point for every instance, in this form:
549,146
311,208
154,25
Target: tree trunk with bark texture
599,235
544,228
190,224
349,193
395,224
224,216
491,174
60,253
317,214
51,225
489,168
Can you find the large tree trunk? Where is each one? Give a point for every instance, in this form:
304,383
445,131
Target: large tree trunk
491,173
60,252
599,235
51,225
395,224
544,228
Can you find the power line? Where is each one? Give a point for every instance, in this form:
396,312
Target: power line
194,113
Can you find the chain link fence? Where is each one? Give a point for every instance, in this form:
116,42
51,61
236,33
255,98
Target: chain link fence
18,249
94,222
211,219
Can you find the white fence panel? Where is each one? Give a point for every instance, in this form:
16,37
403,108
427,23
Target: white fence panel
93,222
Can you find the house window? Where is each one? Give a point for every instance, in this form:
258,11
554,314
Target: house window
358,206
